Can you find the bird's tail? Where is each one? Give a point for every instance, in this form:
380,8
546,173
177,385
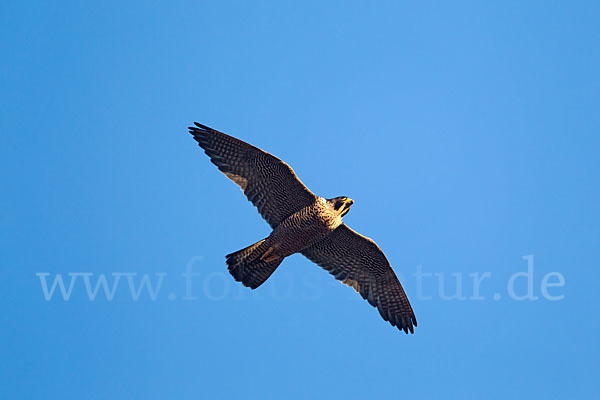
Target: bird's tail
254,264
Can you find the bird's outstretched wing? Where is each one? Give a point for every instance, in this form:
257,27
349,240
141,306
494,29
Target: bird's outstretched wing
269,183
358,262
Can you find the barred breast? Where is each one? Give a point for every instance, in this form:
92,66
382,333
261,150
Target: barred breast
303,228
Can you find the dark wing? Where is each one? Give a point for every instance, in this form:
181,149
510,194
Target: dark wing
269,183
358,262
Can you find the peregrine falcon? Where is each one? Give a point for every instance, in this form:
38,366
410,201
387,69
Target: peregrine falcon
302,223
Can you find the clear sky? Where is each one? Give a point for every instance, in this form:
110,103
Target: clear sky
467,134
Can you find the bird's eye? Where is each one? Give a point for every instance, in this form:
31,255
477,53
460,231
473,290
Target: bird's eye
338,204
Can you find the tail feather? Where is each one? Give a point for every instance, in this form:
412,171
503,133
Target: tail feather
244,254
250,266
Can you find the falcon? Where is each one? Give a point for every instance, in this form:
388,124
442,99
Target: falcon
302,223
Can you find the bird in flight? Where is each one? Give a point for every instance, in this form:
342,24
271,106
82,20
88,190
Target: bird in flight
302,223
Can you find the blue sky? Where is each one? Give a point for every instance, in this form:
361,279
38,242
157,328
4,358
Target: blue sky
466,133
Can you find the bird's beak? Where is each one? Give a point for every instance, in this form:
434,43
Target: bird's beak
347,204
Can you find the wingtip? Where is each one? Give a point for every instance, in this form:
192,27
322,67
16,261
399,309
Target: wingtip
203,127
407,324
199,128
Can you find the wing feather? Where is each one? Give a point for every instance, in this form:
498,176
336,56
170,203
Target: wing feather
269,183
358,262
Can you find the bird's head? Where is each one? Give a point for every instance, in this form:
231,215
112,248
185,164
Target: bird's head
340,205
